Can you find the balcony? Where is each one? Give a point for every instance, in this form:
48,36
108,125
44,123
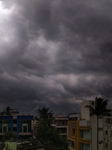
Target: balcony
24,133
84,146
85,136
62,133
85,141
59,125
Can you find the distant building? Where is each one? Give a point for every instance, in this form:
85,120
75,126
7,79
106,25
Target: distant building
61,123
74,117
35,121
19,124
82,130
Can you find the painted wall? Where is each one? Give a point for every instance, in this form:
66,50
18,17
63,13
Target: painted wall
94,133
74,125
19,118
85,114
6,118
11,145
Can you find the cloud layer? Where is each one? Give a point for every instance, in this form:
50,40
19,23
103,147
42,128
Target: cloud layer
54,53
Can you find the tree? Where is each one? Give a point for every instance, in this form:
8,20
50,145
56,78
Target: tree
8,135
7,111
100,110
47,134
44,113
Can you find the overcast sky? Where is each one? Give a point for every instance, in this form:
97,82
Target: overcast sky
55,53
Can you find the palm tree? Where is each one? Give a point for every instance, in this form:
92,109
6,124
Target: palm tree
100,110
7,111
44,113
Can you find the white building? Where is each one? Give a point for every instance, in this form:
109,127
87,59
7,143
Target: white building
82,133
61,123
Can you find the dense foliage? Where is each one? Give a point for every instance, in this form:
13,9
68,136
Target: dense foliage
9,136
6,111
99,110
47,134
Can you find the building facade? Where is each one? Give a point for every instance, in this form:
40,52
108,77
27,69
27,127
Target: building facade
16,123
82,132
61,123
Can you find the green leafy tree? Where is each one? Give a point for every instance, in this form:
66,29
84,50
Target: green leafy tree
47,134
8,136
100,110
7,111
44,113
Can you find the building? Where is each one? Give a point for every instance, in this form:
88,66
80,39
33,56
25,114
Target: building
83,130
35,122
74,117
61,123
19,124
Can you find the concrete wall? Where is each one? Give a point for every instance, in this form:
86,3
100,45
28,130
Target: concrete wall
85,113
93,133
74,125
11,145
72,116
84,123
107,134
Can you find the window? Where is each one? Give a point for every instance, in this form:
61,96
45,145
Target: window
84,146
71,144
85,134
4,128
75,118
25,128
14,121
14,129
106,145
108,121
92,103
73,132
106,132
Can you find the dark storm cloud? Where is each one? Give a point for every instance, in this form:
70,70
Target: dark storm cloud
54,53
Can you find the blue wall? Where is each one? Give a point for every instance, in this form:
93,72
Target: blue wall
8,118
24,118
18,118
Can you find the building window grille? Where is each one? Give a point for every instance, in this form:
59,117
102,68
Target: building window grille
25,128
